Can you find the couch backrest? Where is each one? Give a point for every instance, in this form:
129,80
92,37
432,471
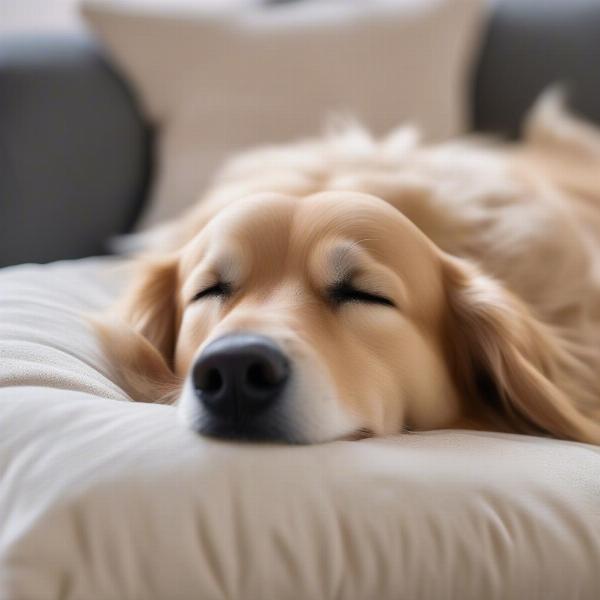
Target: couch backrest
529,45
74,150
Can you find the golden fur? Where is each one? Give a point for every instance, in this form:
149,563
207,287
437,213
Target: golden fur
490,254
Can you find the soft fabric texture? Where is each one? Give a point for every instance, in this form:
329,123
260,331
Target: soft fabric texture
104,498
216,78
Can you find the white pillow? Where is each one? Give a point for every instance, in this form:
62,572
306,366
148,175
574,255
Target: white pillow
101,498
215,80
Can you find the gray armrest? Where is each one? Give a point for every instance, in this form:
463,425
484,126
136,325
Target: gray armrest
74,152
531,44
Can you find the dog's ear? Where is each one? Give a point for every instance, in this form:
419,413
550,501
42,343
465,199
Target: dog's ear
139,333
149,306
505,359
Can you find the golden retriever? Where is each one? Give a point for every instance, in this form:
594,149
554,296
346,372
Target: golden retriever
344,287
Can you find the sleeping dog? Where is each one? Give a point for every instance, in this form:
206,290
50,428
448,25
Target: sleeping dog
345,287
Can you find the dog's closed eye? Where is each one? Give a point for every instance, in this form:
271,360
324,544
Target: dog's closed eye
217,290
344,292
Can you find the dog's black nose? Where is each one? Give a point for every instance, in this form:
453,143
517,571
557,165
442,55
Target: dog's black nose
239,375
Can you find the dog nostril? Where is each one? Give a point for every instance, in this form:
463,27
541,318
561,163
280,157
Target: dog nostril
210,381
260,375
237,377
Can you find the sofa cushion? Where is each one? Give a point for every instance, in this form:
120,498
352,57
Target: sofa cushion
101,497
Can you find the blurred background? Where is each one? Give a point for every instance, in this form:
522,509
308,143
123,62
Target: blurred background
114,113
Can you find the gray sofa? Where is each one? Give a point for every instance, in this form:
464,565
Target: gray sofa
76,154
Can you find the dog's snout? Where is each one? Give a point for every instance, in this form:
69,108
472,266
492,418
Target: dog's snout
239,376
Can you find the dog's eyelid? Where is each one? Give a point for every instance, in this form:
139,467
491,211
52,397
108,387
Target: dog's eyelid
344,291
217,289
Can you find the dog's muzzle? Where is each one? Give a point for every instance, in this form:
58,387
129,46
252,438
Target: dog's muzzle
239,380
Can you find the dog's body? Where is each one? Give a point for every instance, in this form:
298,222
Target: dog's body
487,314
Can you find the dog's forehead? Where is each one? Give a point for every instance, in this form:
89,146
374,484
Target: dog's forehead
238,227
348,215
291,229
303,220
250,218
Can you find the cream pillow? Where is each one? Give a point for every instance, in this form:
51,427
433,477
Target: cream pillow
218,77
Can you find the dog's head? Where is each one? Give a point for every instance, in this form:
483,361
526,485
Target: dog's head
330,316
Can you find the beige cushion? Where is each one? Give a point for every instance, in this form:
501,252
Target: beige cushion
101,498
215,81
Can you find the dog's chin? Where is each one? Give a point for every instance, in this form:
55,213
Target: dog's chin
267,430
288,423
258,430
